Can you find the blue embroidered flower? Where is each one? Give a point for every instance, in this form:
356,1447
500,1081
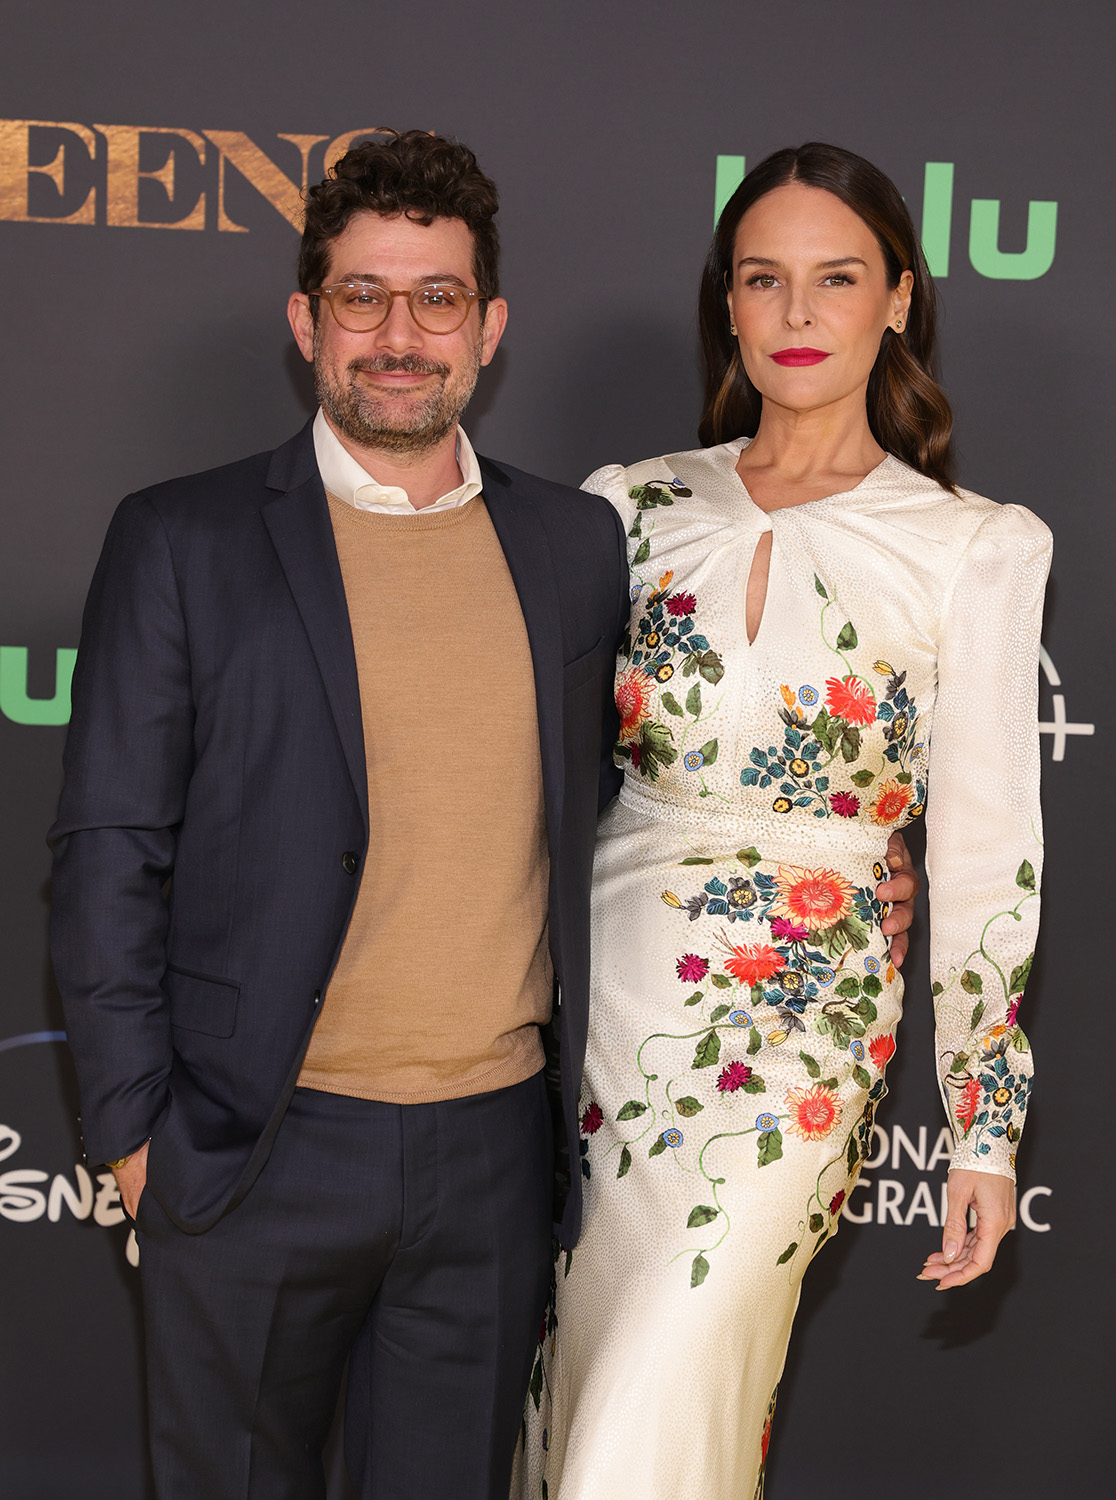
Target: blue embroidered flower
872,965
672,1138
824,976
857,1050
765,1123
808,696
637,589
693,760
740,1018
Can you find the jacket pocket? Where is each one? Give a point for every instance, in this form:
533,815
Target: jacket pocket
584,669
201,1004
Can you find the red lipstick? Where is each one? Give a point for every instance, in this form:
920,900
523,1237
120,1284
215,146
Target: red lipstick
795,357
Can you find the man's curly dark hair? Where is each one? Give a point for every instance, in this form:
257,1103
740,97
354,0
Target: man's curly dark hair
423,176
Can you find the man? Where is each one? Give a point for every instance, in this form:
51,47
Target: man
322,873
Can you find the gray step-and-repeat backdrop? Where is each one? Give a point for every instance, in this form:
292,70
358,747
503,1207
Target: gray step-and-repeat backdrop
151,157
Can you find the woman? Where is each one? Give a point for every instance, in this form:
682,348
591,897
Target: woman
825,632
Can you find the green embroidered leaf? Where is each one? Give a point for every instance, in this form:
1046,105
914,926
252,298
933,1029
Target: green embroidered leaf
819,1244
693,700
536,1382
755,1041
625,1162
820,587
569,1263
637,526
861,1076
658,1148
871,985
671,704
937,987
817,1223
1020,975
719,1012
1019,1039
702,1214
709,751
978,1012
787,1253
632,1110
1025,876
850,743
847,640
863,778
865,1009
813,1067
850,932
750,856
696,859
972,983
904,778
722,981
848,987
755,1085
710,667
960,1062
852,1153
642,553
770,1147
699,1272
695,999
826,729
708,1051
829,1083
688,1107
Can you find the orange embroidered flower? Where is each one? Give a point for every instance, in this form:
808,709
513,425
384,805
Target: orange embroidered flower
788,696
816,899
813,1112
752,963
634,690
850,698
881,1050
890,802
968,1104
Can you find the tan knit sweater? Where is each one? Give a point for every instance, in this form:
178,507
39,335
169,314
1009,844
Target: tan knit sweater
444,976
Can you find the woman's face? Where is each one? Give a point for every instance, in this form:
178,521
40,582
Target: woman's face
810,298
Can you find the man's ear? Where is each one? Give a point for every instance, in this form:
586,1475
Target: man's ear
492,329
301,320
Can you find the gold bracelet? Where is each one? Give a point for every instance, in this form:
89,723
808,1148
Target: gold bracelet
114,1166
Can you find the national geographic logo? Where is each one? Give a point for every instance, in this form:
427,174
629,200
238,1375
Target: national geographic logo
985,254
152,176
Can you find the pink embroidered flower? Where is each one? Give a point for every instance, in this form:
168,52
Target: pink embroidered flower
968,1104
1013,1010
835,1203
845,804
814,1112
850,698
681,604
881,1050
734,1077
634,690
691,968
791,932
591,1120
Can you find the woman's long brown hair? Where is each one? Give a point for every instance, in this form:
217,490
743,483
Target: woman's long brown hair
907,410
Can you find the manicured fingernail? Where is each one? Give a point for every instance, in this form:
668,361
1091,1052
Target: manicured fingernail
950,1251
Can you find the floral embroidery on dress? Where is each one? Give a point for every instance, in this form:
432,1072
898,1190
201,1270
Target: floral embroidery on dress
816,750
989,1089
802,972
663,640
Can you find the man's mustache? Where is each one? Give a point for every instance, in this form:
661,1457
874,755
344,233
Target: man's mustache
410,364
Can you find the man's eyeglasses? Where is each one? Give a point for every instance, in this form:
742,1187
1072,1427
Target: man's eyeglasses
360,306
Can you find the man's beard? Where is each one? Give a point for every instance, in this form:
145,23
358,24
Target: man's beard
397,424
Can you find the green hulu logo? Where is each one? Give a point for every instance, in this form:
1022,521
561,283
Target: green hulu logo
16,703
985,255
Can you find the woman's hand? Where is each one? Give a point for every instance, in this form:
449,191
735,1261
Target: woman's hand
967,1253
900,889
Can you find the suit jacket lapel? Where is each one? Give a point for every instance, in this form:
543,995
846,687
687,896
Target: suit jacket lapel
524,542
298,522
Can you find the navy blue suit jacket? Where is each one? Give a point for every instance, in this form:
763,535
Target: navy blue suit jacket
214,818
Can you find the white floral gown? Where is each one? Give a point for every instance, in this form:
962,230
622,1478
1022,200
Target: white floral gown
743,1005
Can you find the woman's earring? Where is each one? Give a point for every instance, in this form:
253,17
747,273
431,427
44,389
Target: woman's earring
732,329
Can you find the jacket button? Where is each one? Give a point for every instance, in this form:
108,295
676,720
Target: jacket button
349,862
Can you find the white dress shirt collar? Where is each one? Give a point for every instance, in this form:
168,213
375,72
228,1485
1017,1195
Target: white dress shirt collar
345,478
